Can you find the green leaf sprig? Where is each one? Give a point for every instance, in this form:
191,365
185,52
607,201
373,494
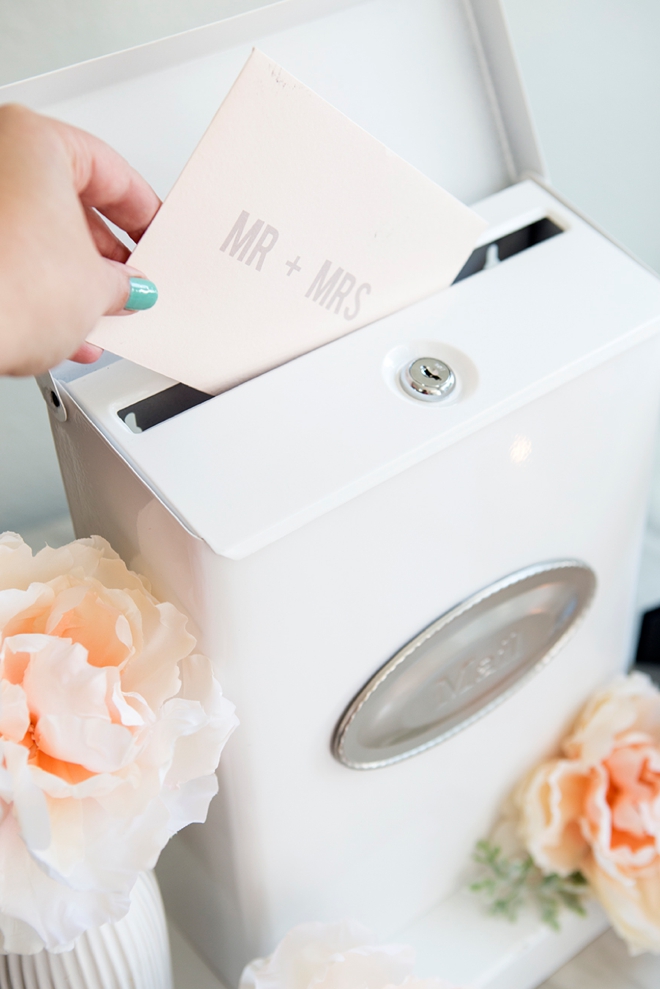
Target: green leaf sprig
507,883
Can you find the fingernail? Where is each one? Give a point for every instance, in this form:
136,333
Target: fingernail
143,294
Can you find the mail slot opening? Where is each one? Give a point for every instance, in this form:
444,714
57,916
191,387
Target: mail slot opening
506,247
163,405
179,398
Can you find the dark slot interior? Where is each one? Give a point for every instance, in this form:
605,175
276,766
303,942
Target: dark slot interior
179,398
506,247
648,645
163,405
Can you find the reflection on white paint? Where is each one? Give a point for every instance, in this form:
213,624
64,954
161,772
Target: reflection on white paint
520,449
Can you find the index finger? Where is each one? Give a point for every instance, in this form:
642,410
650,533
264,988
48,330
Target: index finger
104,180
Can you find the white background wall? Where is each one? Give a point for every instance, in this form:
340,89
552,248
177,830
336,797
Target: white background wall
592,72
593,76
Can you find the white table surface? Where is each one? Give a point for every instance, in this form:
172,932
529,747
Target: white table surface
604,964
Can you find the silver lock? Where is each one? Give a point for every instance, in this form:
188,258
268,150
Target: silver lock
428,379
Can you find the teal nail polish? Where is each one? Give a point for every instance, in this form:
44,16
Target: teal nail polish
143,294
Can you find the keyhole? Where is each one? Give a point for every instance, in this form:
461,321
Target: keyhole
428,373
428,379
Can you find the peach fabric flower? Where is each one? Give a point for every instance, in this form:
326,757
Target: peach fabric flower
110,733
343,955
598,809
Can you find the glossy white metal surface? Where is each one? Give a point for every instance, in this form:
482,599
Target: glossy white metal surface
326,427
297,627
291,516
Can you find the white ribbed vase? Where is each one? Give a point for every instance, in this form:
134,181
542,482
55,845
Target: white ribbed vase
133,953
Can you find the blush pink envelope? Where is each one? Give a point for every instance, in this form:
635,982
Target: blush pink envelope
289,227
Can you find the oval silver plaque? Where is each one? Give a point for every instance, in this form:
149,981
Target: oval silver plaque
464,664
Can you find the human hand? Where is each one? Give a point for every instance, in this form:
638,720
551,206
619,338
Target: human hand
61,267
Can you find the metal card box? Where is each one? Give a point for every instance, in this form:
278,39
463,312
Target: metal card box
314,521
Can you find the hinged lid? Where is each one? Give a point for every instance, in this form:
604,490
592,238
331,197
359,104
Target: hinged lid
255,463
435,80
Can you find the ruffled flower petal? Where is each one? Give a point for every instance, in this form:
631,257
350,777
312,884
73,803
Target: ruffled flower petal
88,616
332,956
37,911
154,671
342,955
629,704
58,680
29,804
110,734
14,713
93,743
632,907
202,747
189,802
551,801
598,810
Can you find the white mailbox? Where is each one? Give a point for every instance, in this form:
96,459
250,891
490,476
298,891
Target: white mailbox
407,600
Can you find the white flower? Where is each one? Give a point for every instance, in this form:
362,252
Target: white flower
342,955
110,733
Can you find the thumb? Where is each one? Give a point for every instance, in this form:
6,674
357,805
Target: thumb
128,290
123,290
